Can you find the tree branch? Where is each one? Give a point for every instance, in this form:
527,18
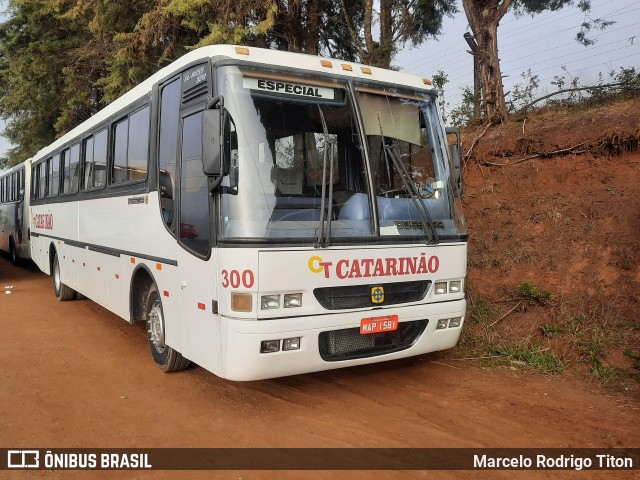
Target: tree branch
354,36
633,85
502,9
536,155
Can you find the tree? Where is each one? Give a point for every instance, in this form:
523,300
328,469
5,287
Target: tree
484,17
170,28
400,21
53,56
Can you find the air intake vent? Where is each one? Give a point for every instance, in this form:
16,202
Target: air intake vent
194,93
348,344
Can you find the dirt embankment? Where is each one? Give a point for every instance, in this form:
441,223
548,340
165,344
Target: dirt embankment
554,255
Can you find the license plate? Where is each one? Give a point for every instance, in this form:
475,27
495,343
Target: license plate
378,324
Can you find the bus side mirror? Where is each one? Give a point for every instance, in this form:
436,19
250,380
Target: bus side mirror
456,158
215,139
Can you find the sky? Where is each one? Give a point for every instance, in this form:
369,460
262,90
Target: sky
544,43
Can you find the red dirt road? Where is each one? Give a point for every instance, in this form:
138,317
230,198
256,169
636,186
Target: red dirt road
75,375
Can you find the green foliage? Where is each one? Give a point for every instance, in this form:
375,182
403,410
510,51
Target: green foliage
524,93
439,80
551,330
535,356
532,295
462,115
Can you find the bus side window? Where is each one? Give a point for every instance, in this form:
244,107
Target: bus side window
54,175
100,159
34,182
168,150
131,147
194,189
70,169
42,175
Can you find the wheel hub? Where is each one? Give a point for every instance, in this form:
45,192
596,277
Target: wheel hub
155,327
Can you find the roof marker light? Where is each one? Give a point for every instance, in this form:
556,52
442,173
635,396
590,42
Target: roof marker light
347,67
326,63
242,50
366,70
426,81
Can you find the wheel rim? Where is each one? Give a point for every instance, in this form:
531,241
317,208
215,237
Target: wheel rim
155,327
56,275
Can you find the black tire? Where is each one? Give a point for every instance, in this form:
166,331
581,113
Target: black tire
168,359
12,252
63,292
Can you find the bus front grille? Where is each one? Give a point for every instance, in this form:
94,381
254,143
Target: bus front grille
349,344
359,296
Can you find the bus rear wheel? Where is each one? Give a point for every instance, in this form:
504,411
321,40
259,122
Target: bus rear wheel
168,359
63,292
12,252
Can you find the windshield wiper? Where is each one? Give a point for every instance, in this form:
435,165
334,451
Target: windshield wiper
323,237
410,187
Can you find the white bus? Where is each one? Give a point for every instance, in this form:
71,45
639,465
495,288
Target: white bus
14,212
264,213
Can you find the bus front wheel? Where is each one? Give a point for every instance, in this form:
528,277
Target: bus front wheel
168,359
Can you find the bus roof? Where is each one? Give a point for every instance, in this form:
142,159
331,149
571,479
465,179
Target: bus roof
259,56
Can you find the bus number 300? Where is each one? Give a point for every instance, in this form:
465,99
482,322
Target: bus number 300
234,277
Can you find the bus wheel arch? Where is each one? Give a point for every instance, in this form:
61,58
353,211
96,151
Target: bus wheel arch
146,305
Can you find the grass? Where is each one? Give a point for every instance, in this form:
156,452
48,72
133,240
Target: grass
531,294
533,355
571,331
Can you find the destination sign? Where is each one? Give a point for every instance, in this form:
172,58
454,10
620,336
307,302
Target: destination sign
288,88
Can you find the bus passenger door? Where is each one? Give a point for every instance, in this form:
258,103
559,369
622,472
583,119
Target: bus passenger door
196,263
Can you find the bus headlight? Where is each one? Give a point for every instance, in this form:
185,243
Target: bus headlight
269,302
440,288
292,300
455,286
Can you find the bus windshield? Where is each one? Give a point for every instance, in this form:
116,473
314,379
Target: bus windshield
298,169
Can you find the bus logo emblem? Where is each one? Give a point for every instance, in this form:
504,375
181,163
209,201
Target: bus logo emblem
377,294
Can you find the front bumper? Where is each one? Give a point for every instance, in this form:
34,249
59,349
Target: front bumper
241,339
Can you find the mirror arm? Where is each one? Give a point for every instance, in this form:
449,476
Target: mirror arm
211,104
214,182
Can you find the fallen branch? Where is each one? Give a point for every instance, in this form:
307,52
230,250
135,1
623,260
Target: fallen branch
609,85
473,144
506,314
445,365
539,155
482,358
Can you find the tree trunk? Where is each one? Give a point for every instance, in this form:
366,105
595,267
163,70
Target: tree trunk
385,46
484,17
368,36
294,29
312,39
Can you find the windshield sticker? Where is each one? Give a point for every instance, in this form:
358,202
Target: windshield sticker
287,88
